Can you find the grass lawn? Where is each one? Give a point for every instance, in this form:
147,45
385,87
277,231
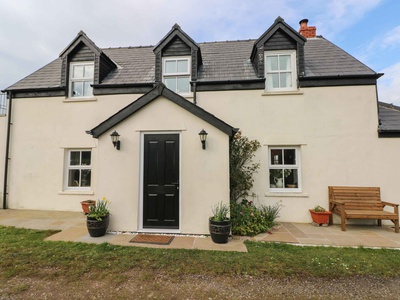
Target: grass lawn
24,255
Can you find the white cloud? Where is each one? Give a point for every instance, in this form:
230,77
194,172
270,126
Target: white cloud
380,45
338,15
389,85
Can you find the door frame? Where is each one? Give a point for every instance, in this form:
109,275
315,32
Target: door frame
141,182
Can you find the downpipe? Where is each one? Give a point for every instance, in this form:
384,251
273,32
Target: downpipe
7,157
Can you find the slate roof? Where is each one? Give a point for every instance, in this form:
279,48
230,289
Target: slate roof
323,58
229,60
389,117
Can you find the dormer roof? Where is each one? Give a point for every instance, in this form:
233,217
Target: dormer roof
81,37
176,31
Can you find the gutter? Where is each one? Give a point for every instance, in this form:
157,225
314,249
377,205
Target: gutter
6,161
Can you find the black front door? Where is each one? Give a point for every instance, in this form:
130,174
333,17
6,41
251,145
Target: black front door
161,181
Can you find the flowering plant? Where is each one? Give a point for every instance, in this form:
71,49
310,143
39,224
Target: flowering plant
220,212
100,210
250,220
319,208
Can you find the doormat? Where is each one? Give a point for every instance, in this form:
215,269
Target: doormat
152,239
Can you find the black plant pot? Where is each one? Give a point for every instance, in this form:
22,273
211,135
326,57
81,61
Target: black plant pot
97,228
219,231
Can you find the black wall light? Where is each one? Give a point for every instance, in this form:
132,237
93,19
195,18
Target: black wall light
203,137
115,140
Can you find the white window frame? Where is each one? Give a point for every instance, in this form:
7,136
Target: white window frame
293,70
166,75
83,79
80,167
283,166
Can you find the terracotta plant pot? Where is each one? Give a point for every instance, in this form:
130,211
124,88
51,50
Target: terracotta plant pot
320,217
86,204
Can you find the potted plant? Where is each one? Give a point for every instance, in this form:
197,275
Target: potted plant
319,215
86,204
98,218
220,224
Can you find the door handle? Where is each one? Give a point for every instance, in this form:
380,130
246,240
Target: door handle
176,184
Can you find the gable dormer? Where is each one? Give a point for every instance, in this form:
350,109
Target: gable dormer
178,58
278,56
83,65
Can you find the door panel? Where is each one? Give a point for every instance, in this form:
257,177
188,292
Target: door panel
161,181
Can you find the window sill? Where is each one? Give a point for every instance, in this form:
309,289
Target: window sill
72,192
287,194
282,93
88,99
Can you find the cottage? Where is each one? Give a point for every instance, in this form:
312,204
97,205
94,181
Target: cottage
313,107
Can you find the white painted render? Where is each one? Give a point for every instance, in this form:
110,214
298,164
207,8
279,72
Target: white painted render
335,128
42,130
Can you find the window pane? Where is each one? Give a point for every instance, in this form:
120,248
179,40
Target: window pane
276,178
183,85
272,81
77,72
77,89
170,83
291,178
73,178
183,66
285,80
75,158
289,156
276,156
89,71
284,63
88,90
86,178
86,158
170,66
272,63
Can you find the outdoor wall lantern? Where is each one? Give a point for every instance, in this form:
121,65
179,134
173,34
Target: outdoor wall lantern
203,137
115,140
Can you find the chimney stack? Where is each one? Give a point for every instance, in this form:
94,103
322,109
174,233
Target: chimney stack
307,31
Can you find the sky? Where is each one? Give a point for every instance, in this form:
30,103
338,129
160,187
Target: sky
33,33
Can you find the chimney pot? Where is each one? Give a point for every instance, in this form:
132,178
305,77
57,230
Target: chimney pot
303,23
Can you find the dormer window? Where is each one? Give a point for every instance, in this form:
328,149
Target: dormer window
280,71
81,79
176,74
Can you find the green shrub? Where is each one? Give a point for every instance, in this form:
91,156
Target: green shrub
241,166
249,220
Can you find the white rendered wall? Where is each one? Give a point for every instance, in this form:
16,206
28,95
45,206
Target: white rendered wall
336,129
43,128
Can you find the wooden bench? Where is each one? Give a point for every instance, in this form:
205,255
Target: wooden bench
360,203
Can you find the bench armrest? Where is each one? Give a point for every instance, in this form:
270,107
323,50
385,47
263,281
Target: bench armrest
334,203
390,204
